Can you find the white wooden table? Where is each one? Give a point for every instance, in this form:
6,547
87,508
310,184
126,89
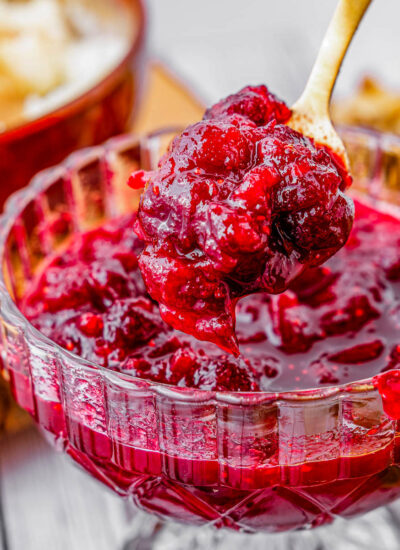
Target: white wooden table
47,503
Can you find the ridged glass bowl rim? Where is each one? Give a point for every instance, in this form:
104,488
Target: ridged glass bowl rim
10,312
72,106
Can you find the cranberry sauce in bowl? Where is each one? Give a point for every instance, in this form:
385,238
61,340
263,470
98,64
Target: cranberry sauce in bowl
240,205
253,460
337,323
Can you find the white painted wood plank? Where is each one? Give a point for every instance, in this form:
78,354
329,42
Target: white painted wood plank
49,504
3,535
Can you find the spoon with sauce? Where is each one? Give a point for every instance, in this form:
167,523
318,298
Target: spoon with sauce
239,206
310,113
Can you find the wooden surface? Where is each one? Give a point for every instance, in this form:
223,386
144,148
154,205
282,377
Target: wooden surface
46,502
166,102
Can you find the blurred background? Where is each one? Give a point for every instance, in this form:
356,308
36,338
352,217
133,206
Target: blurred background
220,46
75,72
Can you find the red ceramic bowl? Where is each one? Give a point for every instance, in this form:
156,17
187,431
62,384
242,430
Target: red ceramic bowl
91,118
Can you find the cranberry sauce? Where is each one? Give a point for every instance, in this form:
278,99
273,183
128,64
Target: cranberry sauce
337,323
240,203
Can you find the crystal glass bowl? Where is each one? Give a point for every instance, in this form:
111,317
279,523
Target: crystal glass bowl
103,111
244,461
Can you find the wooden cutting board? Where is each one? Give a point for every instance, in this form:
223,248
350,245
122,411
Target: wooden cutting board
166,101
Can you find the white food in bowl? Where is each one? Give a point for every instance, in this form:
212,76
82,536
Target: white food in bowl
52,51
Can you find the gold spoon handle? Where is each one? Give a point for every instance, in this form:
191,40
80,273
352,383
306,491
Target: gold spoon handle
317,94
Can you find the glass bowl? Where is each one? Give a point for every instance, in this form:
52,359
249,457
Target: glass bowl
103,111
255,462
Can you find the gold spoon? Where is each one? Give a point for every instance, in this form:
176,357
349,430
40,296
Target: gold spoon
310,113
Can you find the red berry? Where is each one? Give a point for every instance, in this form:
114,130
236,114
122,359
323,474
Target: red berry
91,324
254,102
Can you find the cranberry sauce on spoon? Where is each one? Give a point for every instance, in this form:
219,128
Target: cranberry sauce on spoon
240,203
